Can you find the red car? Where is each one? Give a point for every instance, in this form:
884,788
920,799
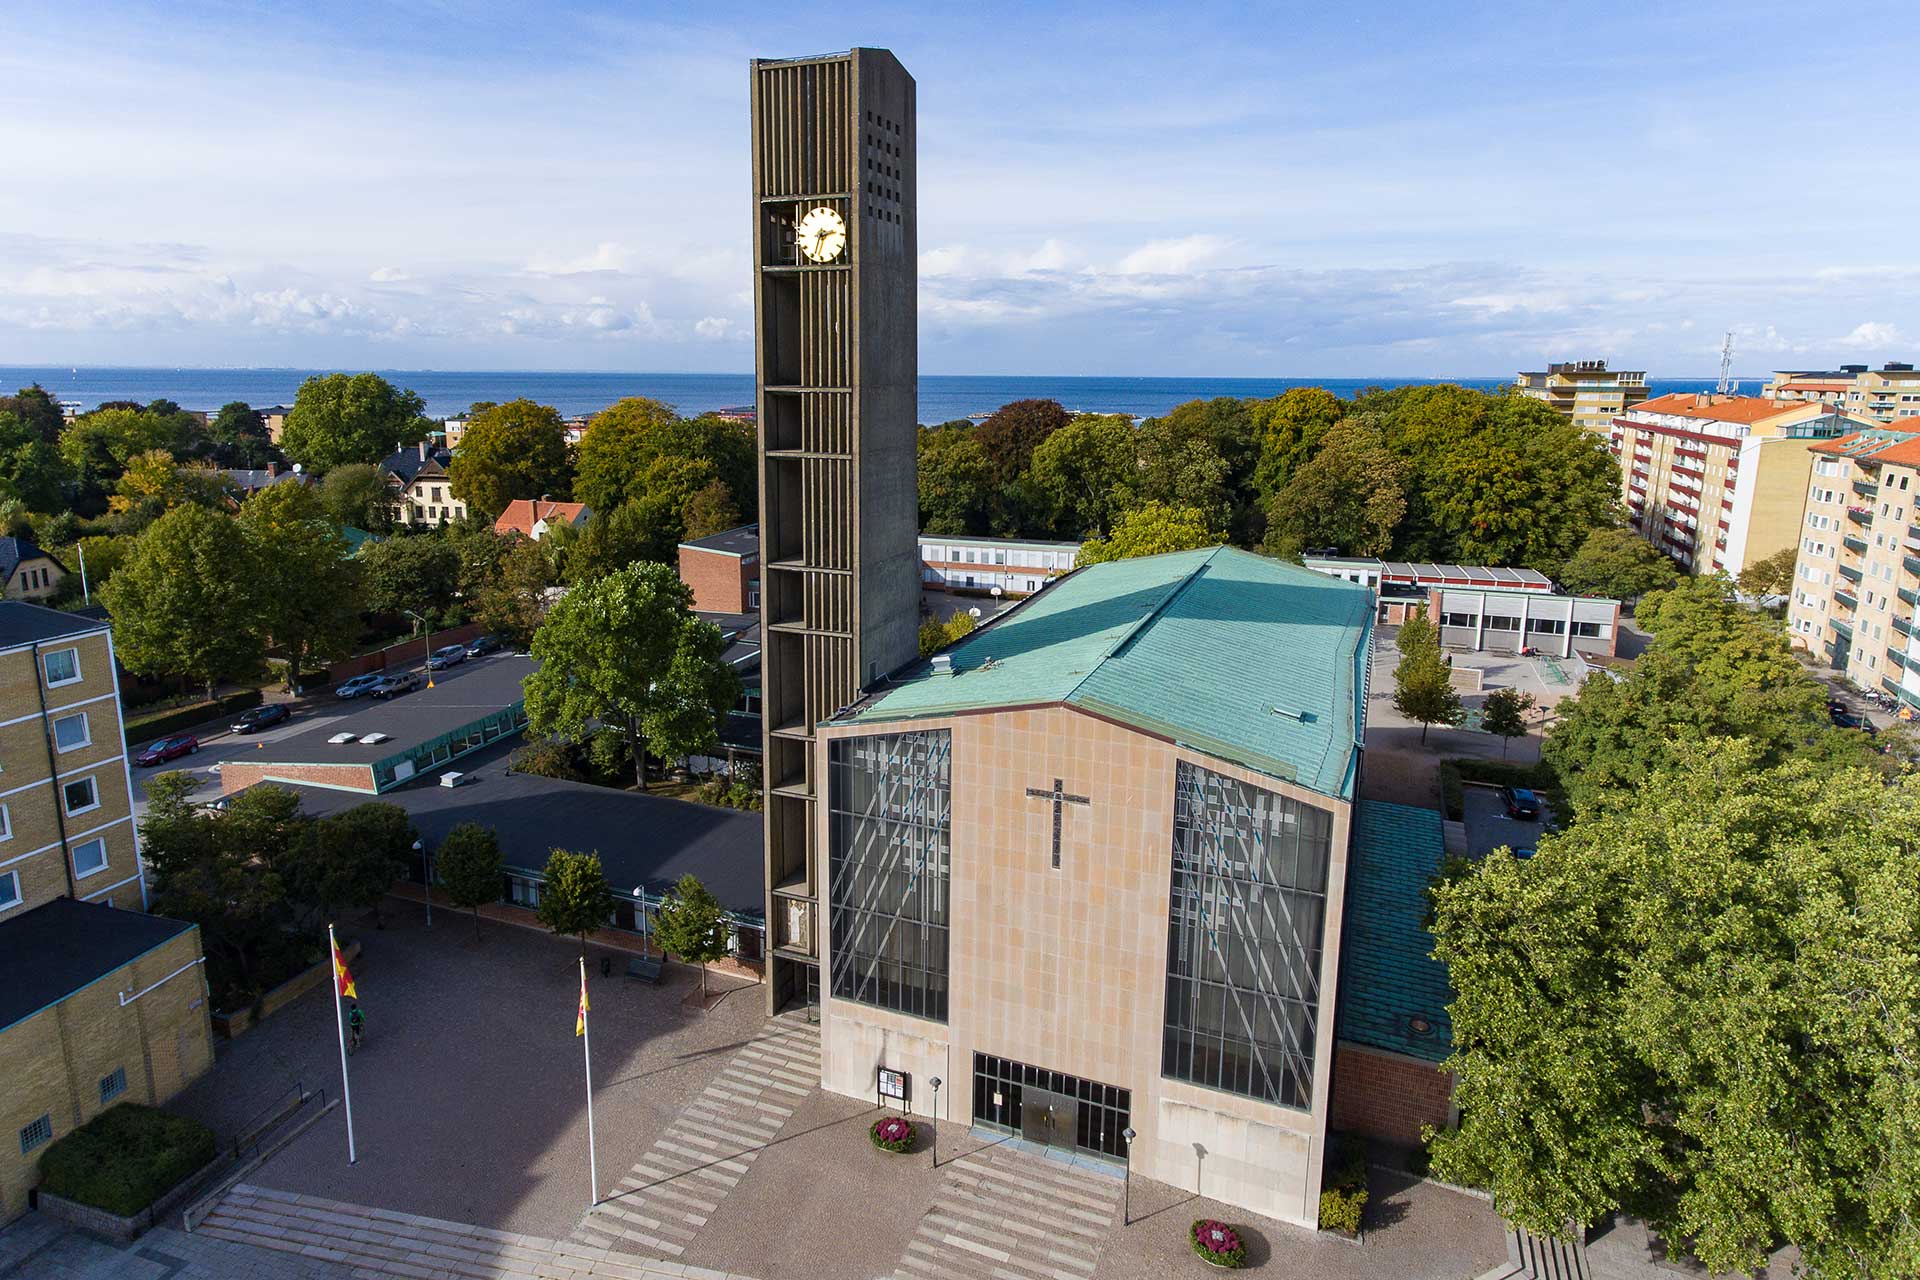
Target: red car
181,744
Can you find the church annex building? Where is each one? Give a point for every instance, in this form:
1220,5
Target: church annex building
1087,867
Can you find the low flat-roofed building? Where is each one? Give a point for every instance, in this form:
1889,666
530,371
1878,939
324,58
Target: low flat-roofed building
1402,587
1016,566
100,1005
377,745
723,570
1504,620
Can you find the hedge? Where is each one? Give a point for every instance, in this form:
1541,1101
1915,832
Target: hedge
126,1158
188,716
1455,770
1344,1196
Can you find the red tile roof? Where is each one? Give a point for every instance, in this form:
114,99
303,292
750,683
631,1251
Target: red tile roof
523,513
1746,410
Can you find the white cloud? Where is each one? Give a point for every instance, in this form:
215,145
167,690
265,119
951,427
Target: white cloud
388,275
1874,334
1173,257
714,328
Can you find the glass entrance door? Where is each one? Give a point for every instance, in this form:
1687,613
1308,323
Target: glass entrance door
1050,1108
1049,1119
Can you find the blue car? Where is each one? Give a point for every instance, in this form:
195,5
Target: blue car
358,685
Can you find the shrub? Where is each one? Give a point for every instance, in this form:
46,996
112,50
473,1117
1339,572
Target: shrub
126,1158
1340,1210
1216,1242
1343,1197
892,1133
1456,770
546,758
609,758
187,717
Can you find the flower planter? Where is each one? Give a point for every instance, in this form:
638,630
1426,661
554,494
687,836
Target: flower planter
892,1133
1217,1244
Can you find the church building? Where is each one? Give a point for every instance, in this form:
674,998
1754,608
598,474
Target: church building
1086,868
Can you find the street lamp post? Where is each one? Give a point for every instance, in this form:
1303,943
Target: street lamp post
426,631
426,869
933,1128
1126,1187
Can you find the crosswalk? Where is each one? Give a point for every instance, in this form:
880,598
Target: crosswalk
1008,1215
671,1192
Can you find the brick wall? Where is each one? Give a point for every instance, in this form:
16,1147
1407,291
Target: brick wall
1386,1095
719,580
411,652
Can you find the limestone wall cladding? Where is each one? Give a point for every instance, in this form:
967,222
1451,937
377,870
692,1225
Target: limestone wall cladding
1388,1096
1066,968
53,1062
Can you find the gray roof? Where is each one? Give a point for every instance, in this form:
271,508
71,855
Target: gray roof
22,624
742,634
642,840
461,695
744,541
407,463
56,949
1465,575
15,550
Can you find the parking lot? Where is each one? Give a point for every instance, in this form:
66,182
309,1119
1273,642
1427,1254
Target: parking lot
1489,827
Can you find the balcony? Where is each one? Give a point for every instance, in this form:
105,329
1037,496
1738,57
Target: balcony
1841,628
1866,488
1903,626
1856,545
1850,573
1846,599
1909,596
1859,515
1911,564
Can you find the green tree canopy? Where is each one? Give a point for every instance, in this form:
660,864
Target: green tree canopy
512,450
627,652
1422,682
1619,563
1084,474
574,897
418,572
612,540
638,450
1289,428
1201,455
1009,435
955,480
185,602
468,867
1504,714
311,611
97,446
1152,529
1770,575
350,860
339,418
691,924
356,495
1701,1005
513,601
155,483
37,410
238,438
1348,495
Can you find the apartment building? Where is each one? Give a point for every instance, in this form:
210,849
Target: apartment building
1857,579
102,1003
1585,390
1013,566
1717,482
1886,394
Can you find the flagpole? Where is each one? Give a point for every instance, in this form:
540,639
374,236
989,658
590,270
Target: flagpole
340,1024
586,1045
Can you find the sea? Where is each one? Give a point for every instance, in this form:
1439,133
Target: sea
943,397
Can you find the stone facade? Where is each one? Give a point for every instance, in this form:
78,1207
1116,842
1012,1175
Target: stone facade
1066,968
1388,1096
54,1062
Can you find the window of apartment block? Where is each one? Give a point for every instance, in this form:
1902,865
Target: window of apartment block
9,889
63,667
89,857
36,1135
70,732
80,795
113,1085
1458,620
6,823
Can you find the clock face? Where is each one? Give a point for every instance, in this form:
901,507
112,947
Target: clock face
821,235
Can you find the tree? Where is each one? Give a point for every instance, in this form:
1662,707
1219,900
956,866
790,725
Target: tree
574,897
1769,576
514,601
1348,495
1202,454
955,482
419,572
34,472
356,495
627,651
339,418
98,445
512,450
312,610
1009,435
691,924
1619,563
350,860
1700,1006
1423,682
1504,713
185,602
1084,474
611,541
239,438
1149,530
469,867
711,510
935,636
1289,428
37,410
154,483
637,450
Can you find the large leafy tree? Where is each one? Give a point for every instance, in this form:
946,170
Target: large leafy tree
612,540
692,925
339,418
575,899
36,409
155,483
186,601
514,600
1348,495
955,480
238,438
1290,427
512,450
98,445
312,610
626,651
350,860
1083,475
1009,435
1770,575
638,450
1152,529
1422,682
468,866
420,573
1701,1004
1202,454
1617,562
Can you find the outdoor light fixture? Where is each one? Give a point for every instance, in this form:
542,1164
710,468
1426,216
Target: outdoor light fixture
1419,1025
933,1126
1126,1189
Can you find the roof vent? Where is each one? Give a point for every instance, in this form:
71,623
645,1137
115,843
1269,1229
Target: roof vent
340,739
451,779
943,664
374,739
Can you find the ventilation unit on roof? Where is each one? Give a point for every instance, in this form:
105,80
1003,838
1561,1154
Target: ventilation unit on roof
372,739
943,664
339,739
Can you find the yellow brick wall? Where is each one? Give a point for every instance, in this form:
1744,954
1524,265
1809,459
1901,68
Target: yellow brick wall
53,1062
1779,500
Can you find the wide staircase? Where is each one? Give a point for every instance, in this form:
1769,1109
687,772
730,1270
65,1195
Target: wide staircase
1002,1214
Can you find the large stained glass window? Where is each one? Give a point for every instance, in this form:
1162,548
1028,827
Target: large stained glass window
1244,938
890,799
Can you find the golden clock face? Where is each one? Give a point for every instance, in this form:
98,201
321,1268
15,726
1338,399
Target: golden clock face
821,235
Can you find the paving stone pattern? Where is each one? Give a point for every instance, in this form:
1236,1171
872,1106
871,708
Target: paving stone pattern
1007,1215
372,1244
670,1193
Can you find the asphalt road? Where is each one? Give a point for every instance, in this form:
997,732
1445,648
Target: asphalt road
1489,827
216,748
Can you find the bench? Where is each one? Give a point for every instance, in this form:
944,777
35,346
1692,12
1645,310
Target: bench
646,969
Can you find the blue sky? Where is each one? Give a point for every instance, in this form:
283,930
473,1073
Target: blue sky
1409,188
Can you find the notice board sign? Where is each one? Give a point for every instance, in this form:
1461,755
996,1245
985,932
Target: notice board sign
897,1085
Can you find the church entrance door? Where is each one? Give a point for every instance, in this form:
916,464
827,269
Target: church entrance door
1049,1119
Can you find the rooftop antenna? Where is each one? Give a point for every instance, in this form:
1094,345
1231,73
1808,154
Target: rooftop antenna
1726,387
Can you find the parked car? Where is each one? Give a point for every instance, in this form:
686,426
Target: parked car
180,744
392,686
261,717
358,685
1521,803
1848,720
483,645
449,656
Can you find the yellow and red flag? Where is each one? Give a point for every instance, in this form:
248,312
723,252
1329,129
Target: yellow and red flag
580,1020
342,980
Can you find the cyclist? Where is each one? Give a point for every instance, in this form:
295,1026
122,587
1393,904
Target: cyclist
356,1026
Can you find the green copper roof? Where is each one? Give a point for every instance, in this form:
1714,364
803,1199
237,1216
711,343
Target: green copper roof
1388,976
1242,657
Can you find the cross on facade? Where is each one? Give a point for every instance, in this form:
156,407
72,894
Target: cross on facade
1059,797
